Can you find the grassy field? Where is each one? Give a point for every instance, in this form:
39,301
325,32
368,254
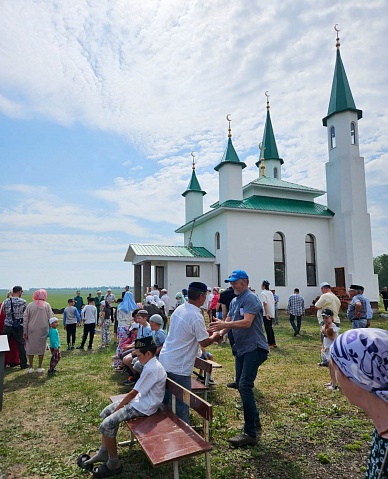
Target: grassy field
308,431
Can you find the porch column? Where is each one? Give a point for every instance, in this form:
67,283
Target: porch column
146,276
137,282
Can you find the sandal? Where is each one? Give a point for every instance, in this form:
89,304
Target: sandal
81,459
103,471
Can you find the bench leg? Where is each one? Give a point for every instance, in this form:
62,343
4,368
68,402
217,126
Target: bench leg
175,466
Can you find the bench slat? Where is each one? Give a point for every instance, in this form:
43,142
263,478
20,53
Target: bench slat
165,438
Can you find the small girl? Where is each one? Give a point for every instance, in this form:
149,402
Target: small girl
53,335
330,333
104,324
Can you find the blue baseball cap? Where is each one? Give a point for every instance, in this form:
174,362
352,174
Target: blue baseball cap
237,274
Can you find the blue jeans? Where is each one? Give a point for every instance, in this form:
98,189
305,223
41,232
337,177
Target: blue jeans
298,322
182,409
358,323
246,372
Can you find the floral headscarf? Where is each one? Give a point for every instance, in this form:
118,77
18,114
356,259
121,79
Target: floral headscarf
40,297
362,356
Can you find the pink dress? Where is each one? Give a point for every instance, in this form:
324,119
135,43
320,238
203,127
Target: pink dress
36,326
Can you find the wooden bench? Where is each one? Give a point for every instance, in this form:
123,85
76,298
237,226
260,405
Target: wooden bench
165,438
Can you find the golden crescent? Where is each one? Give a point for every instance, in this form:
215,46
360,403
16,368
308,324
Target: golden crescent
261,145
227,117
266,93
335,28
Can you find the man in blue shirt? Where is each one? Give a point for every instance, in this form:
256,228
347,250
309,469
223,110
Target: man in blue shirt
245,319
357,311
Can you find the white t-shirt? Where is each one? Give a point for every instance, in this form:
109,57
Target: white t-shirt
150,387
187,329
155,292
267,297
167,303
89,314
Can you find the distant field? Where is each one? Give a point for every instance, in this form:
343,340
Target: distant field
58,297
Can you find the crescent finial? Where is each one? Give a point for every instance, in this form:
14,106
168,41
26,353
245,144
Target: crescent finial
335,28
266,94
192,154
229,129
337,44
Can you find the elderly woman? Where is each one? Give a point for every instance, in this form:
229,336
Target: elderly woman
36,327
359,358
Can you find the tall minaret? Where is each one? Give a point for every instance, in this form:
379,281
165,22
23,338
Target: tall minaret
346,190
269,151
193,196
230,172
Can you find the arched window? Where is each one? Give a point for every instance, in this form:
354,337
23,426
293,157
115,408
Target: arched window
311,267
332,137
353,139
279,259
217,241
275,172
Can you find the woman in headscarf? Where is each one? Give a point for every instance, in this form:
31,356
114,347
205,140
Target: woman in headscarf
179,299
359,358
36,327
124,319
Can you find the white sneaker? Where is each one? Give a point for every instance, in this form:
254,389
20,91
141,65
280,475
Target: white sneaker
31,370
40,370
332,388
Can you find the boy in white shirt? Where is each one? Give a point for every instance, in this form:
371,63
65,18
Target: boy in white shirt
144,400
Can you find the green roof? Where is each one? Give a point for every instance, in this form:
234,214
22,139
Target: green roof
170,251
269,142
276,183
280,205
230,156
341,98
194,185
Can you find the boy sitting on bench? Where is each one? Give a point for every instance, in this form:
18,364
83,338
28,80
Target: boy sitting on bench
144,400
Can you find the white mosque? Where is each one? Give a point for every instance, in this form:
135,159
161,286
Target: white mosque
272,228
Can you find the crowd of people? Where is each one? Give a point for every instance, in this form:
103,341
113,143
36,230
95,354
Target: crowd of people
357,359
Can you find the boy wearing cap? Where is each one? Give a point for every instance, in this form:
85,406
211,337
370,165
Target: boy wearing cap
143,400
187,329
53,335
71,318
245,319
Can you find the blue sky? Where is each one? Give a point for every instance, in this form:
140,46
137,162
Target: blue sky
101,105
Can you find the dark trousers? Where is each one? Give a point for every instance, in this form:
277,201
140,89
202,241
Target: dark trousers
70,332
182,409
296,327
247,366
269,331
385,301
55,357
17,335
88,329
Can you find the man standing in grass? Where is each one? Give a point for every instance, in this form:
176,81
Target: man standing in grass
295,308
79,301
245,319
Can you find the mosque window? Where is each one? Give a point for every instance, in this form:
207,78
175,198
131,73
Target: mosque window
353,139
332,137
192,271
279,259
217,241
275,172
311,267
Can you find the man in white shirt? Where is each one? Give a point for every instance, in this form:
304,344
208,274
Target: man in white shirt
167,301
187,331
269,312
89,318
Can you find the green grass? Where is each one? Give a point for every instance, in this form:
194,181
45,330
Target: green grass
308,432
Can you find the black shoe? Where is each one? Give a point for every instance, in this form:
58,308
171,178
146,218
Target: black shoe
243,440
72,348
90,347
128,382
232,385
79,347
24,366
296,333
325,365
68,348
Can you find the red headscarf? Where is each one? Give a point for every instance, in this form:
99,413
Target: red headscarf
40,297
